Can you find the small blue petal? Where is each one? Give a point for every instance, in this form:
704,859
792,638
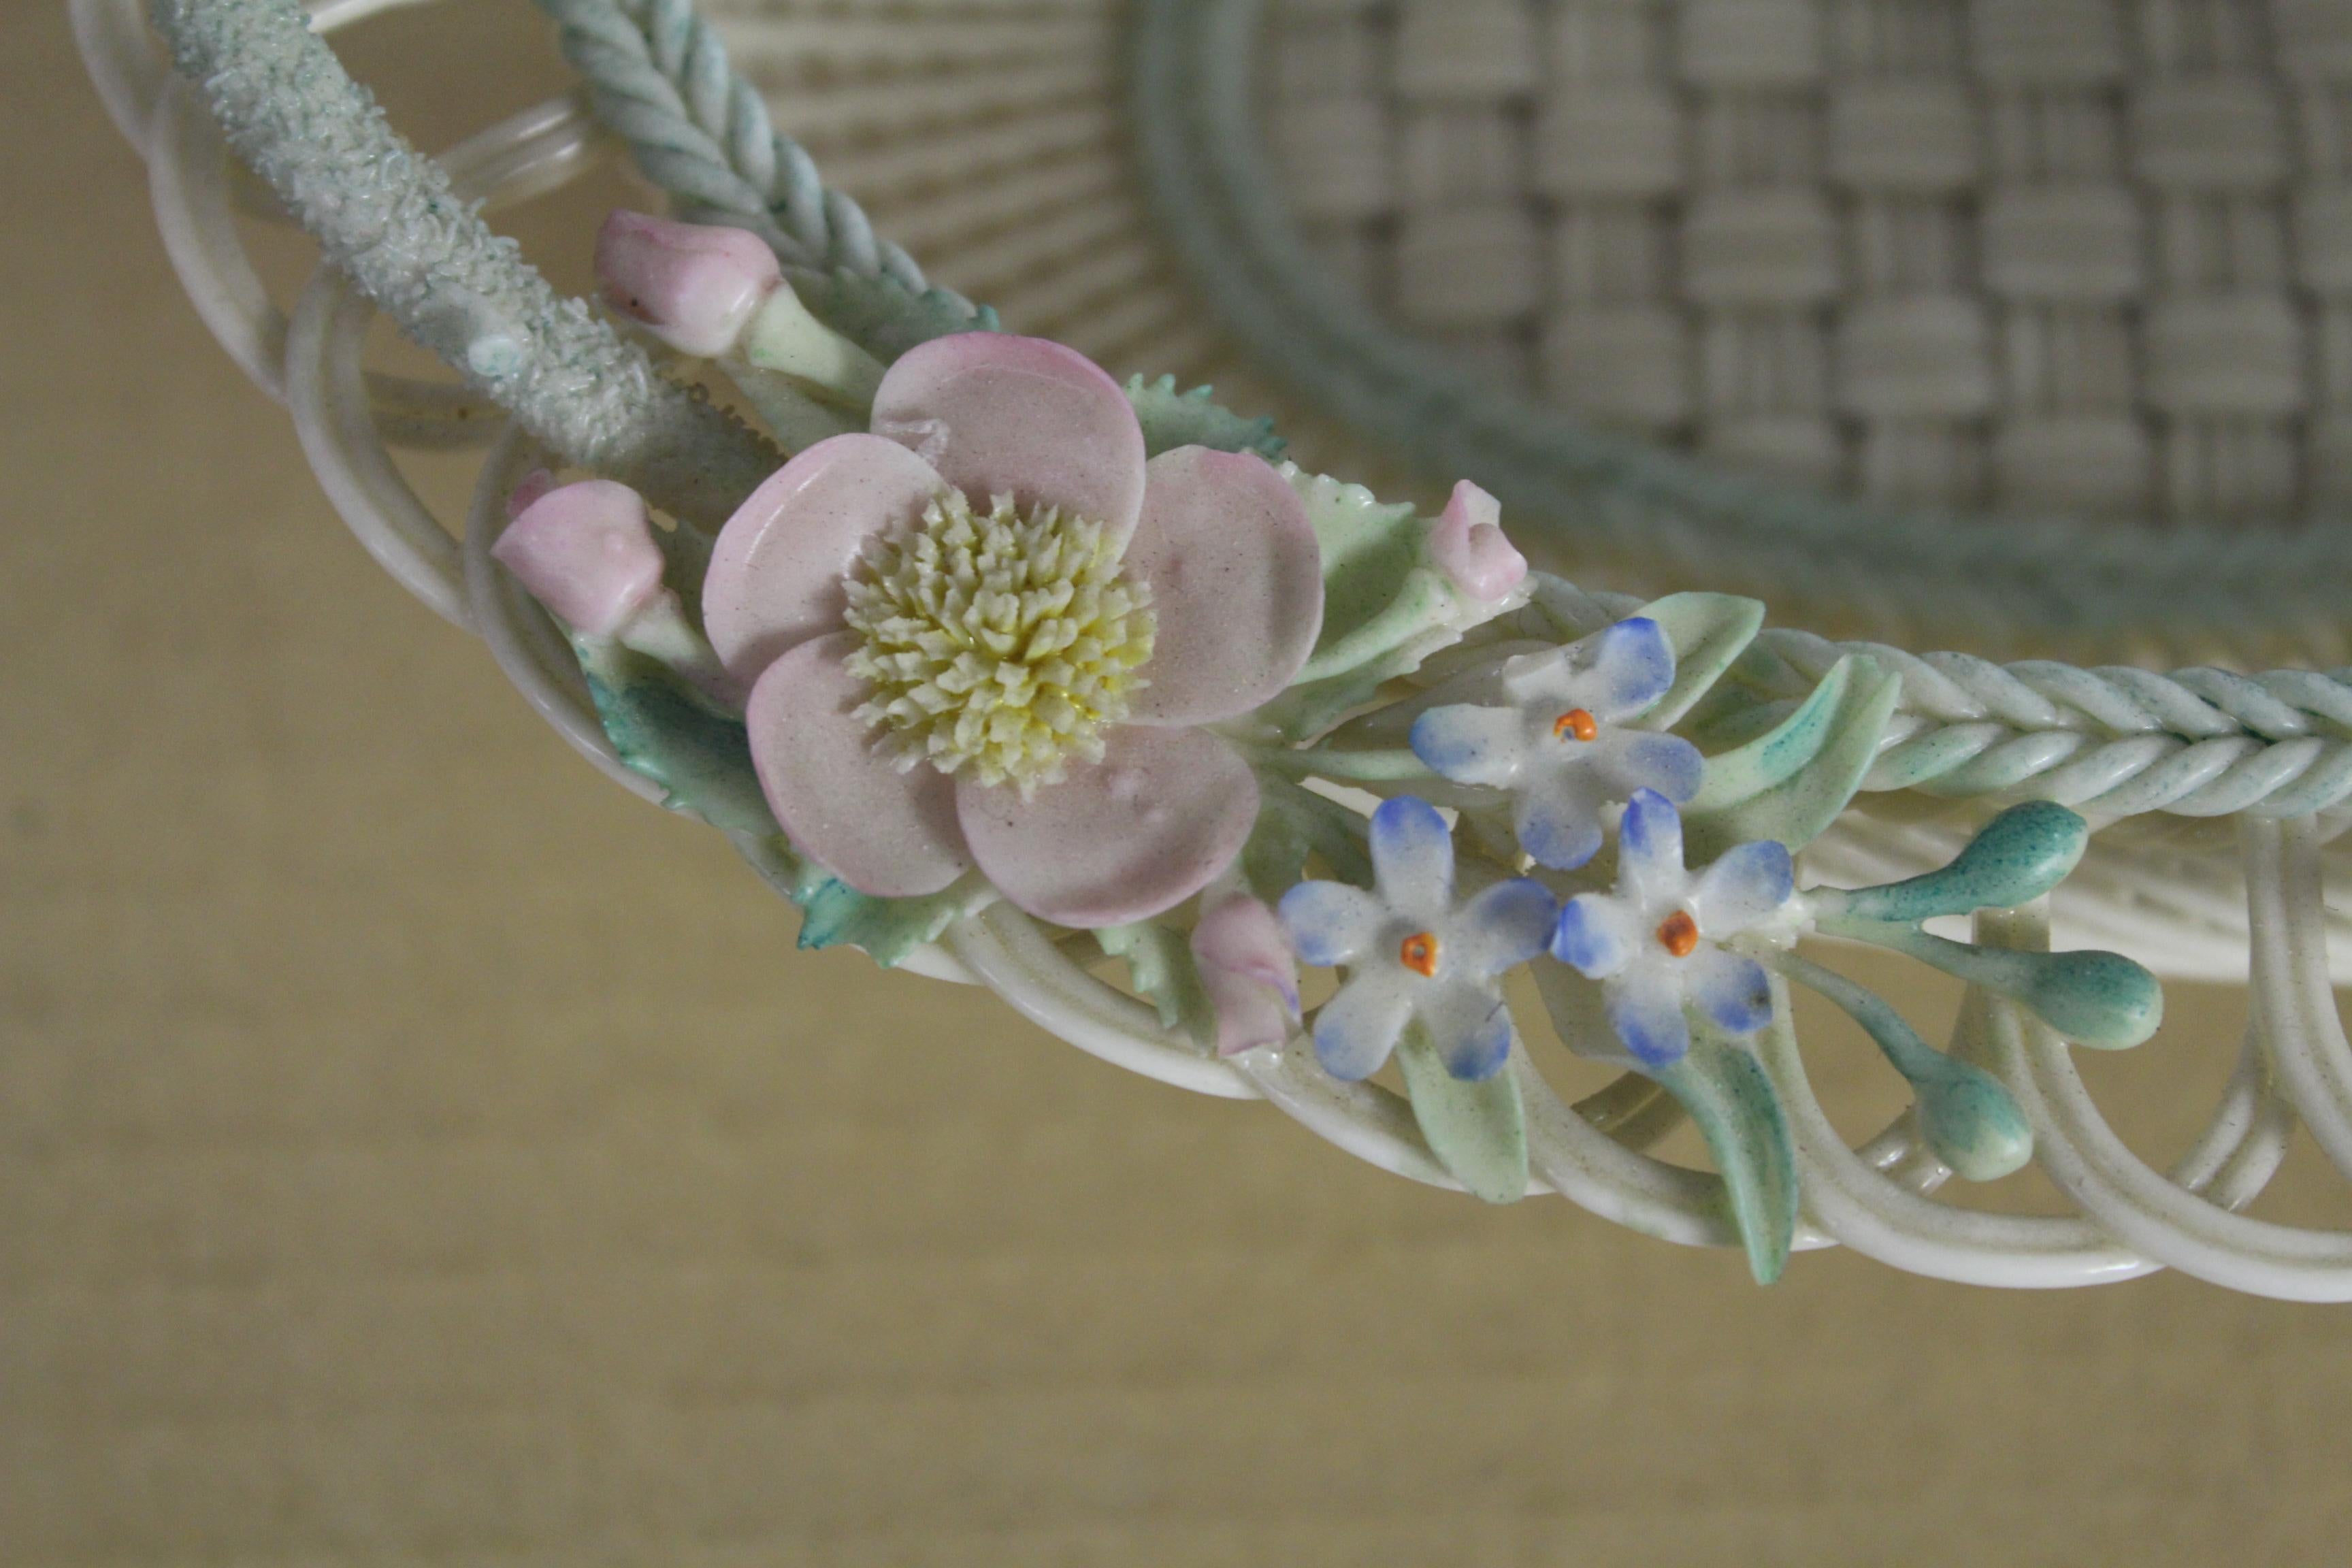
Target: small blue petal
1729,989
1646,1009
1327,922
1412,852
1480,1054
1746,883
1666,764
1560,827
1357,1028
1635,663
1467,743
1590,936
1510,924
1650,839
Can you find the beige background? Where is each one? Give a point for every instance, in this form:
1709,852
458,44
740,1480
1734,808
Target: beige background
414,1150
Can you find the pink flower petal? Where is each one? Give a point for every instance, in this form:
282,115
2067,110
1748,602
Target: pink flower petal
1143,829
775,574
1249,972
527,491
997,415
1236,585
1250,1013
1468,544
839,799
695,285
587,552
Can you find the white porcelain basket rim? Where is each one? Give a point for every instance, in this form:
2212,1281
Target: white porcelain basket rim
2295,1064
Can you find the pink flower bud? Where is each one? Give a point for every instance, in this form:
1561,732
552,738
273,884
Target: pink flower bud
695,285
1252,979
1468,544
527,491
587,552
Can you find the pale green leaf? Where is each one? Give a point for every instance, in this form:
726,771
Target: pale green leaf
834,914
1477,1131
1797,810
663,729
1171,419
1709,632
1735,1109
1160,963
1772,759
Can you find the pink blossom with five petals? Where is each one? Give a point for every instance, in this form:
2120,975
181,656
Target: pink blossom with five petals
1216,543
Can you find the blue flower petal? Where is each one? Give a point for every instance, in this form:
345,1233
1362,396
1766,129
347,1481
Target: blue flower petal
1634,663
1471,744
1594,935
1744,885
1730,989
1645,1007
1330,923
1506,925
1480,1054
1558,824
1650,839
1413,856
1666,764
1357,1028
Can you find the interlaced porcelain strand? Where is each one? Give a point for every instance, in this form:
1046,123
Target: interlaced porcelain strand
1004,642
390,220
660,77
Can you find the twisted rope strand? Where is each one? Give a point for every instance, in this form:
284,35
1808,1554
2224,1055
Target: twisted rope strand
389,219
658,75
2111,742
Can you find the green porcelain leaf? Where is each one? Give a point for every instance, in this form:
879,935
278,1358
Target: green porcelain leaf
1159,963
1171,419
882,315
1709,631
662,728
1477,1131
702,758
1385,607
1799,808
1733,1104
834,914
1377,589
1292,822
1772,759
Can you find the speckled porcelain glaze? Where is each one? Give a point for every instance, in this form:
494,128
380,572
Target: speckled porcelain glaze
998,669
1016,640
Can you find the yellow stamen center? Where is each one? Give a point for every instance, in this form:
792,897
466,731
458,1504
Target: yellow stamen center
1417,952
1576,722
1004,642
1678,935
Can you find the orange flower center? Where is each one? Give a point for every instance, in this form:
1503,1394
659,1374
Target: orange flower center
1417,952
1576,722
1678,935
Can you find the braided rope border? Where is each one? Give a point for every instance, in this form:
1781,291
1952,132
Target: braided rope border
658,77
2297,1061
2113,742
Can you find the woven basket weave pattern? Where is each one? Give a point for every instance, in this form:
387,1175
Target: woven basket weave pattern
2041,255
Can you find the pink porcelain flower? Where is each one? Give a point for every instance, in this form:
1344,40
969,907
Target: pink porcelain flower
1248,970
986,635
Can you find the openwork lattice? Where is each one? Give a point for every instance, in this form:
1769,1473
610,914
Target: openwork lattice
2123,745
